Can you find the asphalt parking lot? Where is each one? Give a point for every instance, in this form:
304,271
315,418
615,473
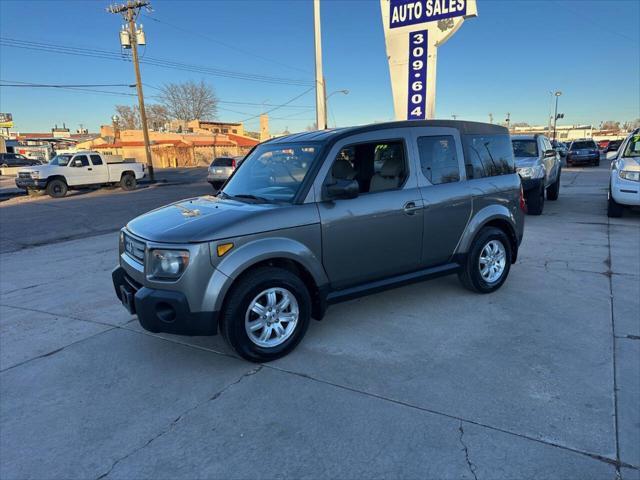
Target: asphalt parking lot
538,380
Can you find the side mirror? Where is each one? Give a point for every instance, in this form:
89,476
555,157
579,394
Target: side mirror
611,155
550,153
342,189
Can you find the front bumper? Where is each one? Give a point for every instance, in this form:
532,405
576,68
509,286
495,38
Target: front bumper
583,158
625,192
162,310
31,182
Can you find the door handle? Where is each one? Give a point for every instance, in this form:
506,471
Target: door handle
411,207
89,168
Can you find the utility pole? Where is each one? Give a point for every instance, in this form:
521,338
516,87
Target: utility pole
321,101
508,120
130,12
491,118
454,116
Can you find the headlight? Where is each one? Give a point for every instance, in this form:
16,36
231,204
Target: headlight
167,264
35,174
627,175
531,172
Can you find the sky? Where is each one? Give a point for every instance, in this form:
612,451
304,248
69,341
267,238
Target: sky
507,59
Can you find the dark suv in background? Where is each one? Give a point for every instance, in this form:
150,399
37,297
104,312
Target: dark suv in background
583,151
319,217
16,160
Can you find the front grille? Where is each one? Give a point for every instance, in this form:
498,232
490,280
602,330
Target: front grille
24,175
134,248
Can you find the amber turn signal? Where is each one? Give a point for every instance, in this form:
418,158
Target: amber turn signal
224,248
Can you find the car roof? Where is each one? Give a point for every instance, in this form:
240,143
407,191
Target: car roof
332,135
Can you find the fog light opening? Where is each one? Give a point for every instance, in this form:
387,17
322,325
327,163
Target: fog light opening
165,312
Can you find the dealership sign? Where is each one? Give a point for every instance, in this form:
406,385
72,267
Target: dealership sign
413,31
6,120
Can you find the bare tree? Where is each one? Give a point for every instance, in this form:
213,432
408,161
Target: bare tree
129,117
189,101
610,125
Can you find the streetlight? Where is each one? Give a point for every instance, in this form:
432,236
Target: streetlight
555,117
344,92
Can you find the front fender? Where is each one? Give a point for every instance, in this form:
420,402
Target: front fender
239,259
486,215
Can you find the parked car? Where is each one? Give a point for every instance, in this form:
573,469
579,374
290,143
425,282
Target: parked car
80,170
561,148
221,169
309,219
624,185
613,145
583,151
16,160
540,167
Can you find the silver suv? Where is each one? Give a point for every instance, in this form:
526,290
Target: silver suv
540,167
320,217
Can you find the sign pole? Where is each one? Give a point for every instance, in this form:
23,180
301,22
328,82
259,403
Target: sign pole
321,107
413,32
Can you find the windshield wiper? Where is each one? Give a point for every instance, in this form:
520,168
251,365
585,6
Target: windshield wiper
251,197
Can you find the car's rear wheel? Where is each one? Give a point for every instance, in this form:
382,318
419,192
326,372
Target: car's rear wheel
266,314
57,188
128,182
614,209
488,262
535,201
554,190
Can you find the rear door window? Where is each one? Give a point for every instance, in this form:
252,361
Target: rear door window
493,152
222,162
438,159
96,159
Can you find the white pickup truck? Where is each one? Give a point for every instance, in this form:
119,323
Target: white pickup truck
79,170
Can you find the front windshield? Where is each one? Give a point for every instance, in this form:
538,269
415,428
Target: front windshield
525,148
60,160
272,172
633,147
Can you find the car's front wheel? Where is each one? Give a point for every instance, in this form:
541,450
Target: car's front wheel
554,190
57,188
535,200
266,314
488,262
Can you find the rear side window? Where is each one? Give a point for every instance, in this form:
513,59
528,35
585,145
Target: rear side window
96,159
493,153
223,162
583,145
438,159
525,148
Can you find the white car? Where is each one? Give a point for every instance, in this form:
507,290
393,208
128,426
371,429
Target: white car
78,170
624,186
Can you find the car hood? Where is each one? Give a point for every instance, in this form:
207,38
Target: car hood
42,168
208,218
522,162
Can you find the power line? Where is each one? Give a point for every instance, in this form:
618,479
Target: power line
77,89
280,106
158,62
224,44
44,85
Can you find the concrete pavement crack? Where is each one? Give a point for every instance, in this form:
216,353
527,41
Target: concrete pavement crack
178,419
613,354
472,467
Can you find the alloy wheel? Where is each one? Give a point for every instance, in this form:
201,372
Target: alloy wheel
492,261
271,317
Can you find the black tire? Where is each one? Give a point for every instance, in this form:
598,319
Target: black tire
471,276
535,201
596,163
554,190
238,301
614,209
128,182
57,188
